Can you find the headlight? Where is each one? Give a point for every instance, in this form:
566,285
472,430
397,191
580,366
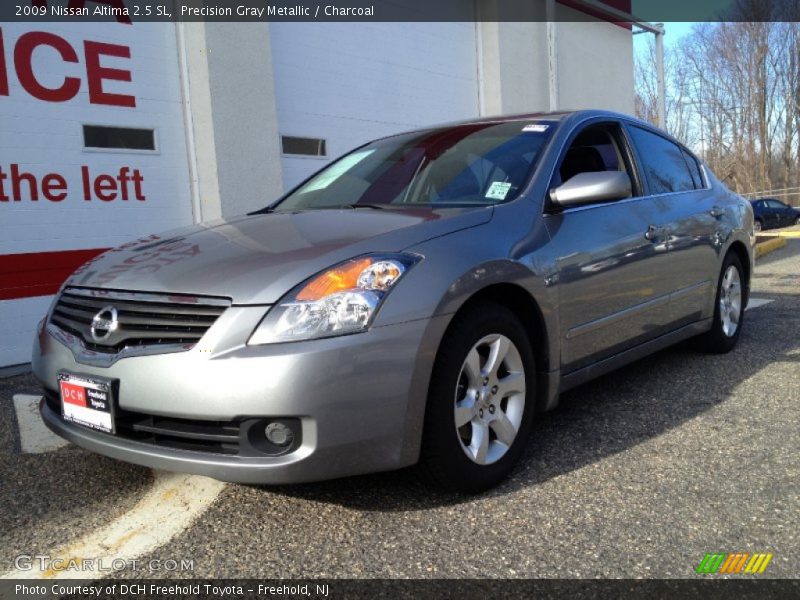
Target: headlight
343,299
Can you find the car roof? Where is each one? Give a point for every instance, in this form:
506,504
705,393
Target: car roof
559,115
556,116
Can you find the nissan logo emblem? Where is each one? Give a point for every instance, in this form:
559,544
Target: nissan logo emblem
104,323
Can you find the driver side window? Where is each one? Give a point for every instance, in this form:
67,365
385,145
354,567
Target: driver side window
596,148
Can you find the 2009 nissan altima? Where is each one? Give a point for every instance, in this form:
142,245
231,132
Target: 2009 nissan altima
418,300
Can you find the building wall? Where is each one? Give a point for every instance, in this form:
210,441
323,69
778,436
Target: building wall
42,240
348,85
597,74
230,96
242,87
514,67
593,66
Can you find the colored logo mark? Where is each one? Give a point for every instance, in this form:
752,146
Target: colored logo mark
734,562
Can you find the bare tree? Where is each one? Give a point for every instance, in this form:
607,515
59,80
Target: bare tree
677,104
734,95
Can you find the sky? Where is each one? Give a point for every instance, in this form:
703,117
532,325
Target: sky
651,10
673,32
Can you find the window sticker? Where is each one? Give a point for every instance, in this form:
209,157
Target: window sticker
498,190
536,127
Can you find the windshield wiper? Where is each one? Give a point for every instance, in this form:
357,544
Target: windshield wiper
262,211
361,205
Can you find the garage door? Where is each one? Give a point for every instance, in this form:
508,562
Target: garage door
339,85
92,152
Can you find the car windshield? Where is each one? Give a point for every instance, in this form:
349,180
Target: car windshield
474,164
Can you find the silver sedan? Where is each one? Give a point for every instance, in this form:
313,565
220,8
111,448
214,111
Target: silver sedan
418,300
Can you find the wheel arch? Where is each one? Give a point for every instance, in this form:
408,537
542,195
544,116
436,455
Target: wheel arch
525,307
740,250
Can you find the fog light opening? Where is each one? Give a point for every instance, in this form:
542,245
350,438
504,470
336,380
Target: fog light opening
279,434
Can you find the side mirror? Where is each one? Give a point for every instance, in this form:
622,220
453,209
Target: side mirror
585,188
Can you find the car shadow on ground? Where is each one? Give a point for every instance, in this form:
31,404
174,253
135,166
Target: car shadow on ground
601,418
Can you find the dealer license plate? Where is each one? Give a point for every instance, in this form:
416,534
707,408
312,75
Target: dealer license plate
87,401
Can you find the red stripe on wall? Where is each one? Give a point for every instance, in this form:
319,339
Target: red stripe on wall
39,273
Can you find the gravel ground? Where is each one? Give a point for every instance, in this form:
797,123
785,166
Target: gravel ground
637,474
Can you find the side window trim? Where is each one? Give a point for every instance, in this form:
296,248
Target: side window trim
632,162
704,185
692,172
689,155
644,185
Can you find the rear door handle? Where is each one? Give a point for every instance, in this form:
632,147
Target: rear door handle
716,212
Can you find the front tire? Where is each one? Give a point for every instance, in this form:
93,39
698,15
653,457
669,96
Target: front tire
480,402
757,226
728,308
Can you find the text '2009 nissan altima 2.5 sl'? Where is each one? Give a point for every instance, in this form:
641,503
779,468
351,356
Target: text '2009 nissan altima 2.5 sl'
417,300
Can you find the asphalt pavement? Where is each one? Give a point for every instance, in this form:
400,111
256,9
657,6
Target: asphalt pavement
52,498
637,474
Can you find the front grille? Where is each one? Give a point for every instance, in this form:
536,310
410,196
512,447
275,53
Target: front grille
239,437
217,437
142,319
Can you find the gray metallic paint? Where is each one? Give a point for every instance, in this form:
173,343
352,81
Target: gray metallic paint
257,259
605,295
584,188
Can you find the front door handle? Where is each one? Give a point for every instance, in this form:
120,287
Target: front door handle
716,212
653,233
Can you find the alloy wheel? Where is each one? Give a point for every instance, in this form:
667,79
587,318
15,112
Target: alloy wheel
730,301
490,399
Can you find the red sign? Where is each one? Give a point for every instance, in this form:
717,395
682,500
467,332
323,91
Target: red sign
34,274
96,73
17,185
73,394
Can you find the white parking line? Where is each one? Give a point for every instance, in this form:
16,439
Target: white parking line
34,436
756,302
169,507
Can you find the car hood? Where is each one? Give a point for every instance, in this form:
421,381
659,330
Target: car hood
256,259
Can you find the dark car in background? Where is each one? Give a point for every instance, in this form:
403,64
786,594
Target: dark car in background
770,213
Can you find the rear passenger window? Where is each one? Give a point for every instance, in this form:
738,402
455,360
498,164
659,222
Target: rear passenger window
663,163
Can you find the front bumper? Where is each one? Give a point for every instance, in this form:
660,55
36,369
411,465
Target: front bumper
360,400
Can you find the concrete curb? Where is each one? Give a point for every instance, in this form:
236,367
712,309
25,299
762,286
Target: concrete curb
14,370
785,234
763,248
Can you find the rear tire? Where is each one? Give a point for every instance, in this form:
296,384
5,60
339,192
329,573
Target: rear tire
757,226
728,308
480,402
